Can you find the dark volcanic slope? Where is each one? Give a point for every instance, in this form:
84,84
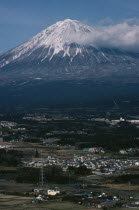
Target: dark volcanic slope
93,63
68,94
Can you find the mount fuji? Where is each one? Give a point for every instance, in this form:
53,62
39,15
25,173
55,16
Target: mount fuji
64,52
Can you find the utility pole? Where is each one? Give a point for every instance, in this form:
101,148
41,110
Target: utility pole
1,138
42,175
129,183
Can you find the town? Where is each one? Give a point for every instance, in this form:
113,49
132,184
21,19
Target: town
99,166
71,157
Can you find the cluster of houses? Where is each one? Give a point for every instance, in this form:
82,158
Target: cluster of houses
41,195
98,200
129,151
86,198
114,122
95,150
5,146
105,165
7,124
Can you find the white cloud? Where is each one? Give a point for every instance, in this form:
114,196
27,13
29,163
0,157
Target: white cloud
124,35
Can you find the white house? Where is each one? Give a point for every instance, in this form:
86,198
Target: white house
53,191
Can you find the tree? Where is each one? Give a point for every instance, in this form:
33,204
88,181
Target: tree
37,154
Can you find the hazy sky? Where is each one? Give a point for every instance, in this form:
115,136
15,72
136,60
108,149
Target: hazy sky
22,19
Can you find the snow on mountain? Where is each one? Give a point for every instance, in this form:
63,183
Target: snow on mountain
65,51
56,37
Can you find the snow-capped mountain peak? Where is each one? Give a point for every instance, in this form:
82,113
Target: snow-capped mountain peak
65,50
56,38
